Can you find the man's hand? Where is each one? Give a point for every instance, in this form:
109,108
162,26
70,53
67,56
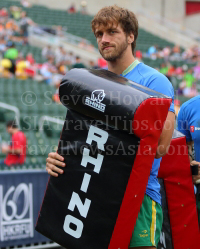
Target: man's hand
5,149
53,160
196,178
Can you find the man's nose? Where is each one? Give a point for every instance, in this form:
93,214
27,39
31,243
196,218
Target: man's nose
105,38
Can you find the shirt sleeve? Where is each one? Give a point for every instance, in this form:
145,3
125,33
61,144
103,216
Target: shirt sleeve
16,142
161,84
182,124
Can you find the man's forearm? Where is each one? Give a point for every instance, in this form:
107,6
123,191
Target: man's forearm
14,151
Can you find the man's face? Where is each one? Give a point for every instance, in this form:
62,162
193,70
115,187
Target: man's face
112,41
9,129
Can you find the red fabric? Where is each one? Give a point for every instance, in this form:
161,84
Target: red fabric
175,170
134,195
18,142
192,7
30,59
102,63
30,72
138,54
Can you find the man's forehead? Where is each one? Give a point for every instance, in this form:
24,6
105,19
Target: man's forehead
104,27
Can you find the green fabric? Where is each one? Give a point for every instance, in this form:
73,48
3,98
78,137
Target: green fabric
142,230
130,68
11,53
78,65
164,70
189,78
16,14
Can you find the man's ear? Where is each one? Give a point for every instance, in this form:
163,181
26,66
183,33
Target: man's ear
131,38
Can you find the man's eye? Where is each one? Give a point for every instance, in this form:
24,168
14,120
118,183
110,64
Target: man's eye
98,35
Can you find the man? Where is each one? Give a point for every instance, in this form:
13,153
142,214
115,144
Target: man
78,63
16,151
189,125
116,31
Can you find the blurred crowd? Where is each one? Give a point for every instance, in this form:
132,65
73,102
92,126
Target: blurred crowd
14,25
188,74
189,77
174,54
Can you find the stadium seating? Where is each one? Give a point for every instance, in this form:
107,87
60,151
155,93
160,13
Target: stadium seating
16,92
79,24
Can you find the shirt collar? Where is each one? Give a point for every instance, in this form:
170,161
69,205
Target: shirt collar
130,68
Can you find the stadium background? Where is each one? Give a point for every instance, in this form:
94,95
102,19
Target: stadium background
169,27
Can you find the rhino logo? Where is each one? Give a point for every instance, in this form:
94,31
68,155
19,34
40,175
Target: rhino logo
98,96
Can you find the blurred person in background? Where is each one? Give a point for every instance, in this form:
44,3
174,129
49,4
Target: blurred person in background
83,8
47,70
189,124
16,151
197,69
24,23
12,55
72,9
47,52
26,4
3,12
15,12
79,63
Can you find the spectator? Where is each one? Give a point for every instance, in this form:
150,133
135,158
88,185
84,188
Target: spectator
93,65
26,4
30,58
12,52
84,7
164,69
16,151
138,55
197,70
15,12
78,63
2,44
47,70
72,58
24,23
72,9
12,55
152,52
47,52
176,52
3,12
189,78
102,63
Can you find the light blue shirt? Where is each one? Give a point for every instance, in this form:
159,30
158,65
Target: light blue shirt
151,78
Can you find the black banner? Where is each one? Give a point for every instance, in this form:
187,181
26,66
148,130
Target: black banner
21,194
89,193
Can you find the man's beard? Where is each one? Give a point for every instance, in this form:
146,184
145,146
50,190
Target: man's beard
116,53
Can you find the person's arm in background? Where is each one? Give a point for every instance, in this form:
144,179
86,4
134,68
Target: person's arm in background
183,127
8,150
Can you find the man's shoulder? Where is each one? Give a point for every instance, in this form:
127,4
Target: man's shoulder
19,134
147,71
191,103
153,79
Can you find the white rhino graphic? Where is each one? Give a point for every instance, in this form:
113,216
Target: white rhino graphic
98,95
